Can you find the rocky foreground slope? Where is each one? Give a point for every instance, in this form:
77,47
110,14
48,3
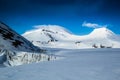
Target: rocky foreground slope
16,50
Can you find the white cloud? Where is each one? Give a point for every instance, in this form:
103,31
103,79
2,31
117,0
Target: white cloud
39,26
92,25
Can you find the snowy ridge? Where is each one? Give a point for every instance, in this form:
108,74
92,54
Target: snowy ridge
58,37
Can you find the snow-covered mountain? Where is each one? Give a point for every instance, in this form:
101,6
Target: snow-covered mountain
16,50
54,36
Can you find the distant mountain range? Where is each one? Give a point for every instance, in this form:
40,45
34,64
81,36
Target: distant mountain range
52,36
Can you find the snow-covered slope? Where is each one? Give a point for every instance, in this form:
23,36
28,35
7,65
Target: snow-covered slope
10,40
102,32
47,33
54,36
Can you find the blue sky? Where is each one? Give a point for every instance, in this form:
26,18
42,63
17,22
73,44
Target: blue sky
22,15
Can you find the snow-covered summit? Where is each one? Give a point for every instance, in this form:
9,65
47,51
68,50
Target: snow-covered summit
54,28
102,32
48,28
47,33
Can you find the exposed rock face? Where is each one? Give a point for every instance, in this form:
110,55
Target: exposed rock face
11,40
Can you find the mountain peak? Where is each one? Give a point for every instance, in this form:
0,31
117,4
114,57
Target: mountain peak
48,29
47,32
52,28
102,32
